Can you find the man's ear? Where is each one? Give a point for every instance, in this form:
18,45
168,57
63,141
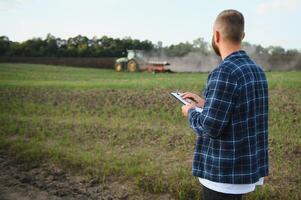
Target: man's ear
243,35
217,37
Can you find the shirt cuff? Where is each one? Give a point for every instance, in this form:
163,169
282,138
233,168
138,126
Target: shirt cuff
190,110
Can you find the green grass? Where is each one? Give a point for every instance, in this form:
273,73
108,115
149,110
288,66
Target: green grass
126,127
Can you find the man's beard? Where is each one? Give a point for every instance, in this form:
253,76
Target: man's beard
215,47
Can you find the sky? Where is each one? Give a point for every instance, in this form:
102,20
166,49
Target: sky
267,22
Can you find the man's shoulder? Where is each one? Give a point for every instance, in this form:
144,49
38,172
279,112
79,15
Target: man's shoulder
225,69
239,66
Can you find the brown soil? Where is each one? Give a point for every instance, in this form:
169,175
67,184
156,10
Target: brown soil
19,181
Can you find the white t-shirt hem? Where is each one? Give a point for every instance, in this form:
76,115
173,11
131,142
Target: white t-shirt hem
230,188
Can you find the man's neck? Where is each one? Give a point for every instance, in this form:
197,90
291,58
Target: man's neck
229,50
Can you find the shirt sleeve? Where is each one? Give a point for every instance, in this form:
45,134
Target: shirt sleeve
217,110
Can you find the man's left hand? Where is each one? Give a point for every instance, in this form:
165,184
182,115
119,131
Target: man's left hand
185,109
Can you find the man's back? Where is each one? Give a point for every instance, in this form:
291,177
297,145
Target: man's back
232,146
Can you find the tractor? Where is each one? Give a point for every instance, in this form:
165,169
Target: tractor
136,61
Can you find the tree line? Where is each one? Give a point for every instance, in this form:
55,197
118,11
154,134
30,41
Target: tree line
82,46
79,46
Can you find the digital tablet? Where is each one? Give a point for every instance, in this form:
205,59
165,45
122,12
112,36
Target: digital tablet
177,95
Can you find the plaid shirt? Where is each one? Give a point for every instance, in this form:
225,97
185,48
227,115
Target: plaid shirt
232,129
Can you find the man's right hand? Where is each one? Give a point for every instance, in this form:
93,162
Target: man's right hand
189,95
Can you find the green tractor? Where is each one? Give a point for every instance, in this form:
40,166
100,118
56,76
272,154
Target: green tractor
131,63
136,61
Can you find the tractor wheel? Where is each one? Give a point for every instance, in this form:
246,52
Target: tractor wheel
132,66
118,67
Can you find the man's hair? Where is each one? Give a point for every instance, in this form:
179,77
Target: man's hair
231,24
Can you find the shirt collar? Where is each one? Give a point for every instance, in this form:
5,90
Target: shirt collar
235,54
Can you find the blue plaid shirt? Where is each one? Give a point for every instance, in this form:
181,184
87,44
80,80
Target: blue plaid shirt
232,129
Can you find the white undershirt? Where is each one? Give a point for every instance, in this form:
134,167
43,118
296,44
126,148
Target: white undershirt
230,188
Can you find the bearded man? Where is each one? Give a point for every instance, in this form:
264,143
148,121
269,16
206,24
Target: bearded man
231,152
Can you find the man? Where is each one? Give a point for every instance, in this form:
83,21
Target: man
231,152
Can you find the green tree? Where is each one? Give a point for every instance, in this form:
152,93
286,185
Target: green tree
4,45
200,45
51,46
179,50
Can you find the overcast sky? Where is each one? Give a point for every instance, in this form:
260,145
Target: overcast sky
268,22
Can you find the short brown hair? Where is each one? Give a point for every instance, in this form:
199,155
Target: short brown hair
231,24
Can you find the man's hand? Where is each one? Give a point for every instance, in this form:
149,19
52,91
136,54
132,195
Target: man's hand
199,102
185,109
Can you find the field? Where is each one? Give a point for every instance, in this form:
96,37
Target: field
125,127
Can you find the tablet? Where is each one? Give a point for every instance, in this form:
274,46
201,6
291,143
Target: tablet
177,95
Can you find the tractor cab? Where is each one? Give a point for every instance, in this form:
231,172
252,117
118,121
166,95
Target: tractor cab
135,54
136,61
131,62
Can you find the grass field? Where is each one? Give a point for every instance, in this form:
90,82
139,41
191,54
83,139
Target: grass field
126,127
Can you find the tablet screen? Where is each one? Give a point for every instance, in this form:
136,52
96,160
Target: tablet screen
177,95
